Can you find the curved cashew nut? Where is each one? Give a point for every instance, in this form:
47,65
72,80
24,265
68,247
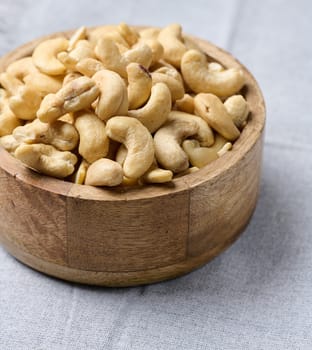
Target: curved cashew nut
121,154
172,41
43,84
74,96
140,85
8,120
195,72
80,174
44,56
104,172
89,66
46,159
128,33
113,94
167,141
199,156
10,83
237,107
212,110
149,33
25,103
157,175
94,142
186,104
79,34
59,134
70,77
99,32
138,142
140,53
172,79
156,111
156,48
9,143
204,135
21,68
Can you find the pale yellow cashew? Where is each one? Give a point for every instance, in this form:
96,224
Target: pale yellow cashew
44,84
94,142
212,110
80,175
113,98
46,159
168,140
70,77
227,147
157,175
171,39
9,143
138,142
104,172
149,33
140,53
186,104
44,56
74,96
156,48
21,68
188,171
204,135
200,79
199,156
79,34
140,85
25,103
96,34
121,154
8,120
10,83
172,79
129,34
89,66
215,67
156,110
59,134
237,107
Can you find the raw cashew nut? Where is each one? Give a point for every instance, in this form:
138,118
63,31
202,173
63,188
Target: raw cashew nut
168,139
204,135
46,159
80,34
104,172
212,110
10,83
70,77
129,34
21,68
138,142
121,154
140,85
80,175
89,66
94,142
200,79
199,156
74,96
59,134
149,33
172,79
157,175
9,143
113,94
25,103
140,53
43,84
227,147
156,48
44,56
96,34
186,104
8,120
156,111
172,41
238,109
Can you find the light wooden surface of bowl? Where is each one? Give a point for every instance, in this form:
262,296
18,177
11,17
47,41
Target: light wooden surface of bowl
132,235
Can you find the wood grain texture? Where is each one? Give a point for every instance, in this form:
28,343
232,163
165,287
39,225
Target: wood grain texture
128,236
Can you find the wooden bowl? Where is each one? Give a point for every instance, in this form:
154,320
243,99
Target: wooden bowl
135,235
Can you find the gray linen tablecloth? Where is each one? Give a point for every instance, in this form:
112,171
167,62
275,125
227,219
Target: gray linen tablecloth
258,294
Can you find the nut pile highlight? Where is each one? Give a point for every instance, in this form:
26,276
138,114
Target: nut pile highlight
115,106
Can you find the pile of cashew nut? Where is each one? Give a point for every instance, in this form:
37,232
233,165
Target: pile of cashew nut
115,105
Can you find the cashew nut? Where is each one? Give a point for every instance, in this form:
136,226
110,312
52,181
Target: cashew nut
195,72
44,56
167,141
121,154
138,142
157,175
140,84
94,142
227,147
43,84
70,77
25,103
237,107
104,172
188,171
21,68
172,79
186,104
129,34
59,134
46,159
80,175
89,66
113,94
80,34
96,34
156,111
149,33
9,143
140,53
199,156
8,120
172,41
10,83
204,135
212,110
156,48
74,96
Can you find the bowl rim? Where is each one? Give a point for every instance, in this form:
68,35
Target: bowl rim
251,133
